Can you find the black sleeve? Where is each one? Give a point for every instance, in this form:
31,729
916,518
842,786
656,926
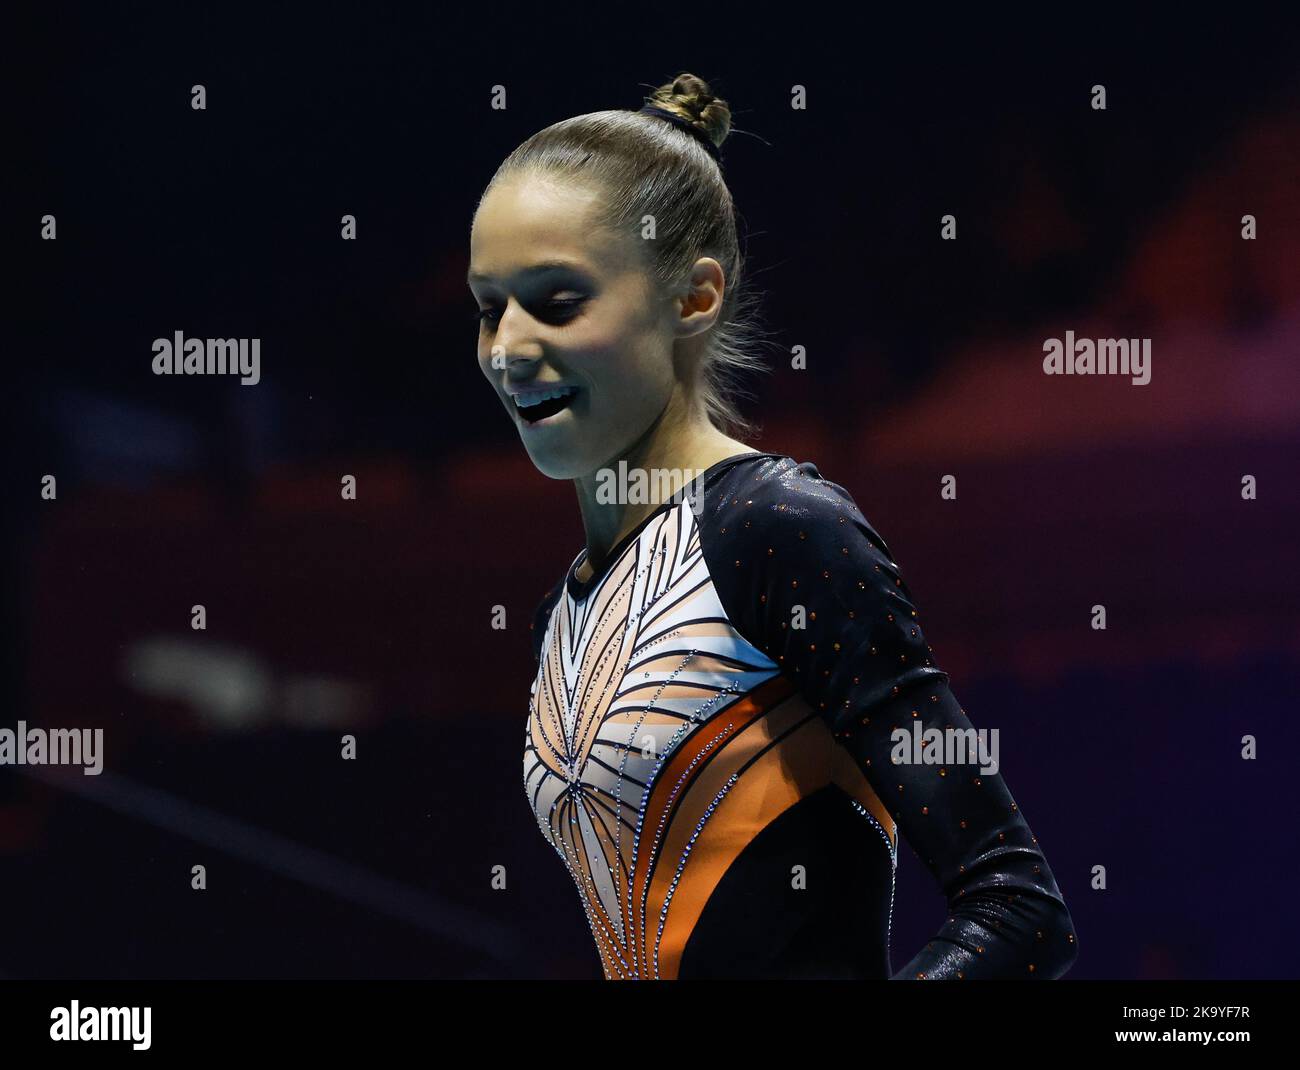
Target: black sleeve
861,659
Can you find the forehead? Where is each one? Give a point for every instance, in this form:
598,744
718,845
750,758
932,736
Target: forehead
527,221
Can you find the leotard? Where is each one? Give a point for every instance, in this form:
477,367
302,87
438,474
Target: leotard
709,741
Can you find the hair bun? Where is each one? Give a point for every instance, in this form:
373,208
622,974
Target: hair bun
690,97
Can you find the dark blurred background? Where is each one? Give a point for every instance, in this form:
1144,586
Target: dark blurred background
372,617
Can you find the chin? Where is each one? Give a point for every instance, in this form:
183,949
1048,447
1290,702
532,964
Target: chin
556,463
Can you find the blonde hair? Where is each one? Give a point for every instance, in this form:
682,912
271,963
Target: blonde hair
646,165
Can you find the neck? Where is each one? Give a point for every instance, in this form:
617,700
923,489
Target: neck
677,447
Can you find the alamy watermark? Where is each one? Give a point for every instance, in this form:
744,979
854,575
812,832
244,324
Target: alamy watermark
647,486
1104,356
179,355
952,746
58,746
76,1022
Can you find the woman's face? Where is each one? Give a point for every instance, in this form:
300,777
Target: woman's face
564,304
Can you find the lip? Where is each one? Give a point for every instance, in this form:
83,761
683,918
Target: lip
530,424
525,388
546,421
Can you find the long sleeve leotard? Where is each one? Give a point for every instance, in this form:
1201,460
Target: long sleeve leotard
712,748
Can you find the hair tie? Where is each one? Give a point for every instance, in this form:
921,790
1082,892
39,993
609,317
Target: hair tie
689,127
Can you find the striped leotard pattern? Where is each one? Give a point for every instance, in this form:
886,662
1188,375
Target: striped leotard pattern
717,815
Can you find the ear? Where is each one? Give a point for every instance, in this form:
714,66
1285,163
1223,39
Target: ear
701,305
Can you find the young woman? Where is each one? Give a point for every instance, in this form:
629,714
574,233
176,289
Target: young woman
726,670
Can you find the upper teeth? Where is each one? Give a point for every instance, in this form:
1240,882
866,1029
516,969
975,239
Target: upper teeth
535,397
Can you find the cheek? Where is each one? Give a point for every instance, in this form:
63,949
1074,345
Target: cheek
628,358
628,380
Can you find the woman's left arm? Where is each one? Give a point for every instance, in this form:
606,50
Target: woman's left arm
1006,915
813,585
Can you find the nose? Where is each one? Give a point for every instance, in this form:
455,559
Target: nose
518,368
514,329
513,345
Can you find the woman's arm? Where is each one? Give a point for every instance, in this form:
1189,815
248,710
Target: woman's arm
811,584
1006,915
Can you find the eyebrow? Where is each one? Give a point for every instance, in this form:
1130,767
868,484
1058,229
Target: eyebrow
534,269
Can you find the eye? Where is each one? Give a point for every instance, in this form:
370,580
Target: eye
559,307
563,308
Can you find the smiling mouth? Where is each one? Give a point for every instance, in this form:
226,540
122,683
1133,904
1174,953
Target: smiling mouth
557,401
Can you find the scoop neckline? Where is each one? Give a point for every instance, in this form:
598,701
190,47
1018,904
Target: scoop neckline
581,588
